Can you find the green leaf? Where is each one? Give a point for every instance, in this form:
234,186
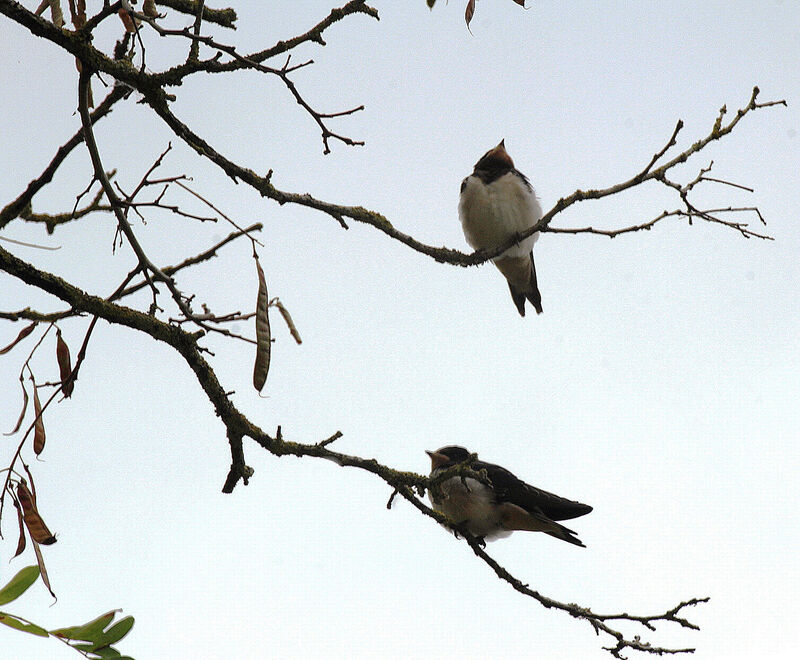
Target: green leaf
106,653
116,632
19,584
83,647
13,622
88,632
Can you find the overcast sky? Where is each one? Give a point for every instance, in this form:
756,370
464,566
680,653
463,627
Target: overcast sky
660,385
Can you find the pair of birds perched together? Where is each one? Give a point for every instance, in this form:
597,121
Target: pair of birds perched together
497,203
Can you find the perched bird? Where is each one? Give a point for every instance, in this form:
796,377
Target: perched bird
500,504
497,202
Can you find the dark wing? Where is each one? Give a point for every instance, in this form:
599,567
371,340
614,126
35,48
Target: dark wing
524,179
509,488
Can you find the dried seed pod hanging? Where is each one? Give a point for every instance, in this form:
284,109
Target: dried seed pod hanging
263,335
38,423
33,521
28,329
64,364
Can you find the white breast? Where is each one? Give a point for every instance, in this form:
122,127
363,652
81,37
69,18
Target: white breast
491,214
471,504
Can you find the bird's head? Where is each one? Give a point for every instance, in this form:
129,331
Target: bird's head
496,159
447,456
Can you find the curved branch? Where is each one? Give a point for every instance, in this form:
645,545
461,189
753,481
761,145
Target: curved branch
225,17
240,62
409,485
152,87
18,206
264,186
116,204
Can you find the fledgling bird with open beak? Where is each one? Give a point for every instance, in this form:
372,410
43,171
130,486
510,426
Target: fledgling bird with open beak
496,203
501,505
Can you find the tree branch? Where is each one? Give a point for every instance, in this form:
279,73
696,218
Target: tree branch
19,205
407,484
224,17
116,205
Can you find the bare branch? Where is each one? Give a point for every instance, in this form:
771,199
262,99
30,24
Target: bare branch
247,63
51,221
124,225
15,208
408,485
224,17
238,426
151,86
203,256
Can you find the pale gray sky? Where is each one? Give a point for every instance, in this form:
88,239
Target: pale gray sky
660,385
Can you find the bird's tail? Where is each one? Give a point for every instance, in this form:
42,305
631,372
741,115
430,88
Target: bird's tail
565,534
514,517
537,523
521,275
532,293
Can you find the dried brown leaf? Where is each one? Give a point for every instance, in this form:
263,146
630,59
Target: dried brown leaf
289,322
129,22
56,14
33,483
64,364
28,329
21,543
30,514
38,424
42,568
81,14
24,408
263,335
149,9
470,10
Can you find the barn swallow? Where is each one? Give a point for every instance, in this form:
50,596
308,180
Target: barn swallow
497,202
499,504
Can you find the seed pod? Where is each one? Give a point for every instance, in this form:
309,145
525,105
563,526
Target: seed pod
21,542
28,329
55,11
42,568
64,364
38,424
469,12
263,336
289,322
24,408
33,521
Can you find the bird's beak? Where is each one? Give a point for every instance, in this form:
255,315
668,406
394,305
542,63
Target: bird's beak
437,460
499,153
